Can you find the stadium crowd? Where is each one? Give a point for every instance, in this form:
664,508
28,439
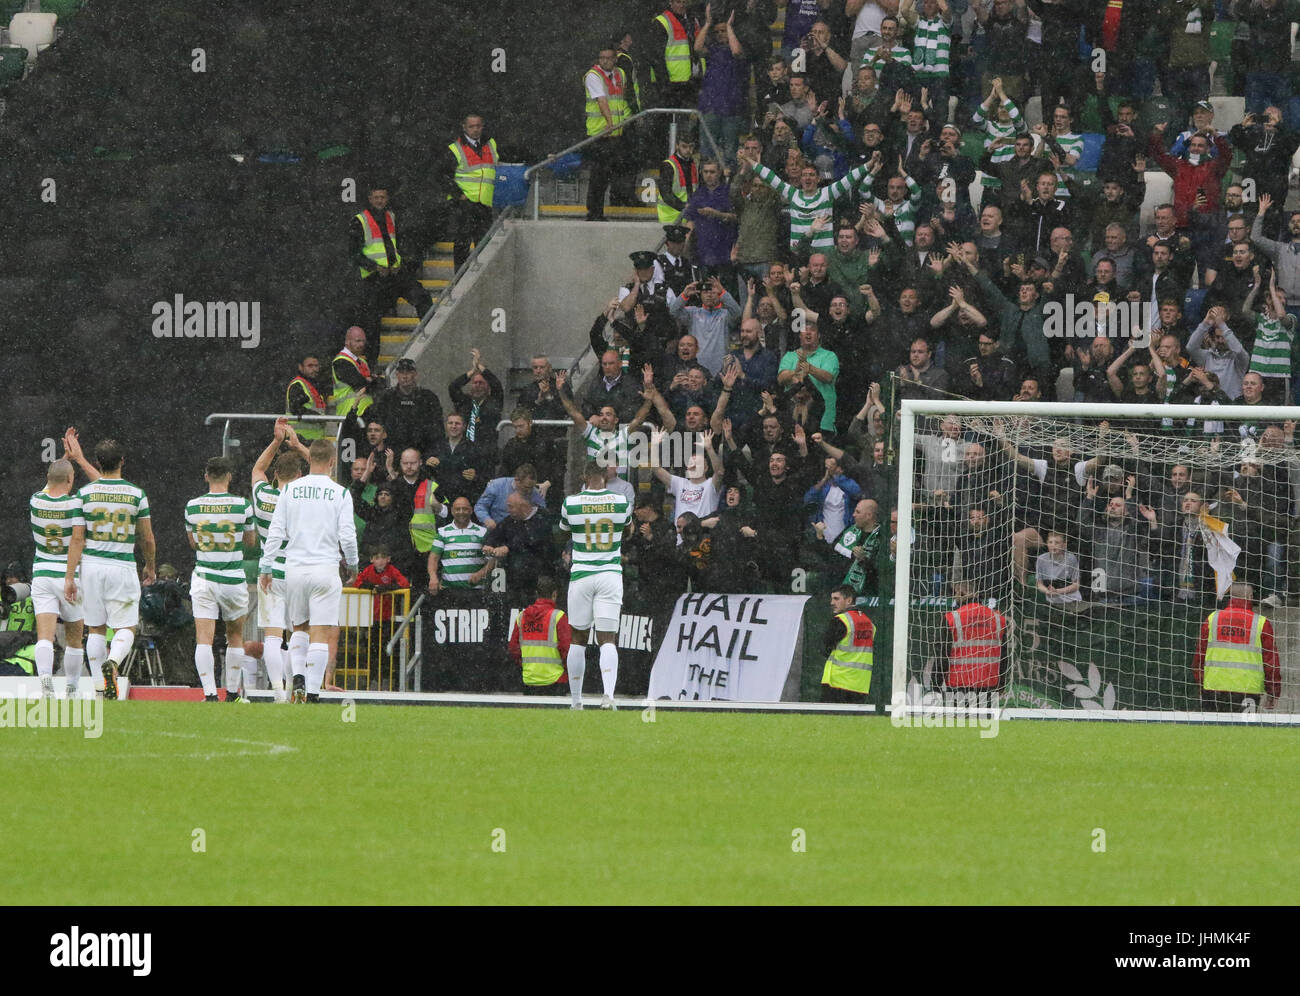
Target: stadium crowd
826,259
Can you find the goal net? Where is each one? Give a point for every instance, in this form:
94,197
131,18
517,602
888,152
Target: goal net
1065,560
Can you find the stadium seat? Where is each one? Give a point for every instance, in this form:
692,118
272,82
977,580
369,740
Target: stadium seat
1091,155
511,187
32,31
13,60
1228,111
1194,305
1160,190
1033,111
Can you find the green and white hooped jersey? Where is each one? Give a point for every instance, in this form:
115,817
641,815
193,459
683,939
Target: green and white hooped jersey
111,508
460,553
264,499
218,524
597,520
805,208
53,520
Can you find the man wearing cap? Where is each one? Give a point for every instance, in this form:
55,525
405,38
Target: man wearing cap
678,178
650,292
412,415
671,266
710,320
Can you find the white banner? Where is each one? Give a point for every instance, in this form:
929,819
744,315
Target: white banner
733,647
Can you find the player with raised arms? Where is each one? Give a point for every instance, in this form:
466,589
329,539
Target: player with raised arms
597,519
311,524
215,524
286,468
55,512
113,512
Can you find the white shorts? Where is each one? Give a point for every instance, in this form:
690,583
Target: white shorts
110,594
213,600
47,599
313,595
270,606
596,598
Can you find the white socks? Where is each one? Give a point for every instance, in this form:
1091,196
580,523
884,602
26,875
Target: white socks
298,644
609,667
577,668
123,640
317,658
203,664
44,658
273,657
72,661
234,667
96,652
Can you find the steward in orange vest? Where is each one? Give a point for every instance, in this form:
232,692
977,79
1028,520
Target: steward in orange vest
1236,659
977,650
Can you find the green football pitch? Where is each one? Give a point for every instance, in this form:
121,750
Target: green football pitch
214,804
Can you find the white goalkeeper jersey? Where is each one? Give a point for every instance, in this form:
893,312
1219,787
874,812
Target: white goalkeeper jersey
312,523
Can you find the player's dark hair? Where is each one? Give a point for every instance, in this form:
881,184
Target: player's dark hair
219,467
108,455
592,470
287,467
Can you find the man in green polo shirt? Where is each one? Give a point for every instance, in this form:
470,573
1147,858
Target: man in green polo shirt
815,364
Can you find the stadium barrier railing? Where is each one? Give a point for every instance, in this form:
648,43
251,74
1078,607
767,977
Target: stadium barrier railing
371,651
530,174
230,443
411,621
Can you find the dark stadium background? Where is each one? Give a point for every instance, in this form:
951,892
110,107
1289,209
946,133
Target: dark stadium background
150,205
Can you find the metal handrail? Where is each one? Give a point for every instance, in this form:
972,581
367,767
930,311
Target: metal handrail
408,665
546,163
231,417
446,296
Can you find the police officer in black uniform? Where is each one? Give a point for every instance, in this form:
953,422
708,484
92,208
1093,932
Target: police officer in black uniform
653,293
672,266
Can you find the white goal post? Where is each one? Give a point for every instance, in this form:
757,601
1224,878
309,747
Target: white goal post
1101,537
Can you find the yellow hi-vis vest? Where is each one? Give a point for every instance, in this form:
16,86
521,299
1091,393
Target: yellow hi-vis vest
1235,667
26,658
849,665
307,430
344,398
677,48
618,109
669,215
374,249
476,170
424,521
540,655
